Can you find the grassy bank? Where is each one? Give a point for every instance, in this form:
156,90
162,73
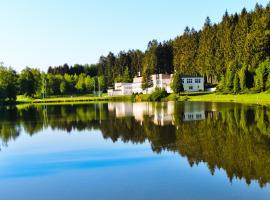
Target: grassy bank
70,99
260,98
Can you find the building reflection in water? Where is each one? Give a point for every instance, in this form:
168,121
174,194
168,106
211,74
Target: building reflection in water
161,113
193,112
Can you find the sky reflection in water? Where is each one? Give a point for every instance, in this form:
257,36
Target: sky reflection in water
135,151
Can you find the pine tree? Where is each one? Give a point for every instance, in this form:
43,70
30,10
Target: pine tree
176,84
268,83
229,77
126,78
236,86
243,78
147,80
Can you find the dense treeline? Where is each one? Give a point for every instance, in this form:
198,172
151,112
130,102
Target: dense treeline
233,54
234,137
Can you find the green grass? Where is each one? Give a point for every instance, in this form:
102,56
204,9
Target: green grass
259,98
82,99
71,99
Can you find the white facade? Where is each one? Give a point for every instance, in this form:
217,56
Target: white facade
120,89
190,84
193,84
158,81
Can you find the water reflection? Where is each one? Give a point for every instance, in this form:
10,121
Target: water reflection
233,137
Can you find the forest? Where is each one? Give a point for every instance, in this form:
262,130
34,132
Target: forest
232,54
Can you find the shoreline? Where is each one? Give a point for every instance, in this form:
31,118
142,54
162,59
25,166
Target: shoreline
260,98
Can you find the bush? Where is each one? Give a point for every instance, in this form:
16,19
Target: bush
158,94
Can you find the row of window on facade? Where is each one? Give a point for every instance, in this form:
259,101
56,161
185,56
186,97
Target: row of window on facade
190,80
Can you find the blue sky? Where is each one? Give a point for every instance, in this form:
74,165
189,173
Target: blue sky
42,33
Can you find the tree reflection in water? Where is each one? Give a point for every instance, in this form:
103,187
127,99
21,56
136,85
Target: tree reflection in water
233,137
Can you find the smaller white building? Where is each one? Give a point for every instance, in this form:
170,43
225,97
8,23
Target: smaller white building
120,89
193,83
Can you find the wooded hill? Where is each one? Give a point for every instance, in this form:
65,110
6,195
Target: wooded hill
218,52
233,53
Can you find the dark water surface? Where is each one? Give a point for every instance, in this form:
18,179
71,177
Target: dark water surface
135,151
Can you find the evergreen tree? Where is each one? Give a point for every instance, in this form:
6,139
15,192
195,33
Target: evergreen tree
176,84
222,84
147,80
243,78
126,77
236,85
229,77
268,83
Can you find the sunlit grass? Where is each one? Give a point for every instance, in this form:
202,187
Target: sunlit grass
259,98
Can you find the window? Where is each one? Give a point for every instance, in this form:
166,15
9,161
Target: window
197,80
190,87
183,80
189,80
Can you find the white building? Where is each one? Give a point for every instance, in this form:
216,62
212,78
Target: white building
158,81
193,83
190,84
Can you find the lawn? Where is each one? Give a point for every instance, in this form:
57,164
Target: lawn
259,98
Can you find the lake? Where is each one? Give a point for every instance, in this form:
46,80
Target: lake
135,151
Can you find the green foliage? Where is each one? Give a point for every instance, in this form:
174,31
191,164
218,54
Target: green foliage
222,84
236,84
261,75
229,79
185,50
8,84
29,81
158,94
147,79
125,78
89,84
80,86
101,83
243,78
268,83
176,84
63,87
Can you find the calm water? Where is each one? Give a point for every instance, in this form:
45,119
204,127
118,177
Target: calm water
135,151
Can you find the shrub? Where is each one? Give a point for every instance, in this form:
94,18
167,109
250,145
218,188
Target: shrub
158,94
